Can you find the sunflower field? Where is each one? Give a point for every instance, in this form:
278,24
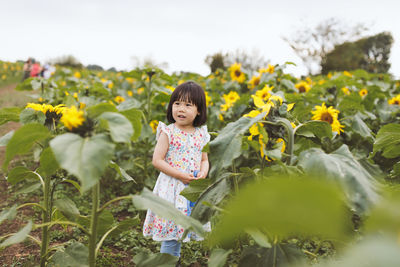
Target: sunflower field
303,171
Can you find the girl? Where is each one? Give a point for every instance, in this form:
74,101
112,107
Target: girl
179,157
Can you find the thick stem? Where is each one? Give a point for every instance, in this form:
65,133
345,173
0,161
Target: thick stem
45,219
290,133
93,224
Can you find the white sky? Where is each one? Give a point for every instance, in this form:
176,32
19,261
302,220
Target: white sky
181,33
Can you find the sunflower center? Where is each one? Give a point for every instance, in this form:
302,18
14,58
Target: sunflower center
397,102
302,89
326,116
256,81
237,73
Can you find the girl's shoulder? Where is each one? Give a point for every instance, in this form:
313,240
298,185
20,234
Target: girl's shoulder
162,127
204,135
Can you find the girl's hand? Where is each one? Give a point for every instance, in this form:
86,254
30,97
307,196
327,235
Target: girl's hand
187,178
201,175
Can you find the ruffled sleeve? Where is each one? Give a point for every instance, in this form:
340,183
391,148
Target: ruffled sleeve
163,128
205,135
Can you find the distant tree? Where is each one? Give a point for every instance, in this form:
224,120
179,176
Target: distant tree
94,67
312,44
370,53
215,61
67,61
251,61
112,69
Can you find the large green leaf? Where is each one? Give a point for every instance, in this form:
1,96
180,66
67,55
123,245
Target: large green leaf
119,126
9,114
75,255
212,196
121,172
340,166
18,237
67,207
135,117
161,207
98,109
48,163
388,140
315,129
23,140
357,125
286,207
19,174
8,214
32,116
144,259
25,85
278,255
218,257
227,146
86,158
195,188
6,138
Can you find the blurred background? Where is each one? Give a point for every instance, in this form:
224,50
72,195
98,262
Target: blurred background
190,36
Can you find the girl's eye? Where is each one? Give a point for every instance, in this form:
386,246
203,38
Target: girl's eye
188,105
176,103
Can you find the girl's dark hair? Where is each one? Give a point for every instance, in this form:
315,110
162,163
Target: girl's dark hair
193,93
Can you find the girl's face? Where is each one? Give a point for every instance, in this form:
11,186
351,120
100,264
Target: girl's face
184,113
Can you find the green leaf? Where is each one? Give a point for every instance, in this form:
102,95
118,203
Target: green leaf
144,259
105,220
287,207
129,104
9,114
25,85
195,188
358,125
98,89
23,140
135,117
32,116
218,257
28,188
19,174
227,146
119,126
18,237
214,194
388,140
86,158
6,138
260,238
75,255
67,207
8,214
126,225
315,129
98,109
279,255
48,163
121,172
340,166
161,207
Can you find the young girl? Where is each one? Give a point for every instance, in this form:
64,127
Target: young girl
179,157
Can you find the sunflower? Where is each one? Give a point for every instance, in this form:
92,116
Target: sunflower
330,115
255,80
395,100
72,118
77,75
153,124
269,69
119,99
236,73
345,90
264,93
363,92
230,99
348,74
303,87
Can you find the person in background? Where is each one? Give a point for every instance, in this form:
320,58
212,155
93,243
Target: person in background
27,69
35,68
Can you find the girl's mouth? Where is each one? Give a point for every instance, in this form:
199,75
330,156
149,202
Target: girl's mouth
181,116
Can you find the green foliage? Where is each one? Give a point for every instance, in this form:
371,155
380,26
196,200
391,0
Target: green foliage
388,141
370,54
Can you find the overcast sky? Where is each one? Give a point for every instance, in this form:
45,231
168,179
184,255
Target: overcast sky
181,33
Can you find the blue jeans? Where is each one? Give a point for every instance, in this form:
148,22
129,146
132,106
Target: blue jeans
172,247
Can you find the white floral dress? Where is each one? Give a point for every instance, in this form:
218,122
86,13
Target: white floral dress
184,153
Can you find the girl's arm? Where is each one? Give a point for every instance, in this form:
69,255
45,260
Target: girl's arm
204,166
159,162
